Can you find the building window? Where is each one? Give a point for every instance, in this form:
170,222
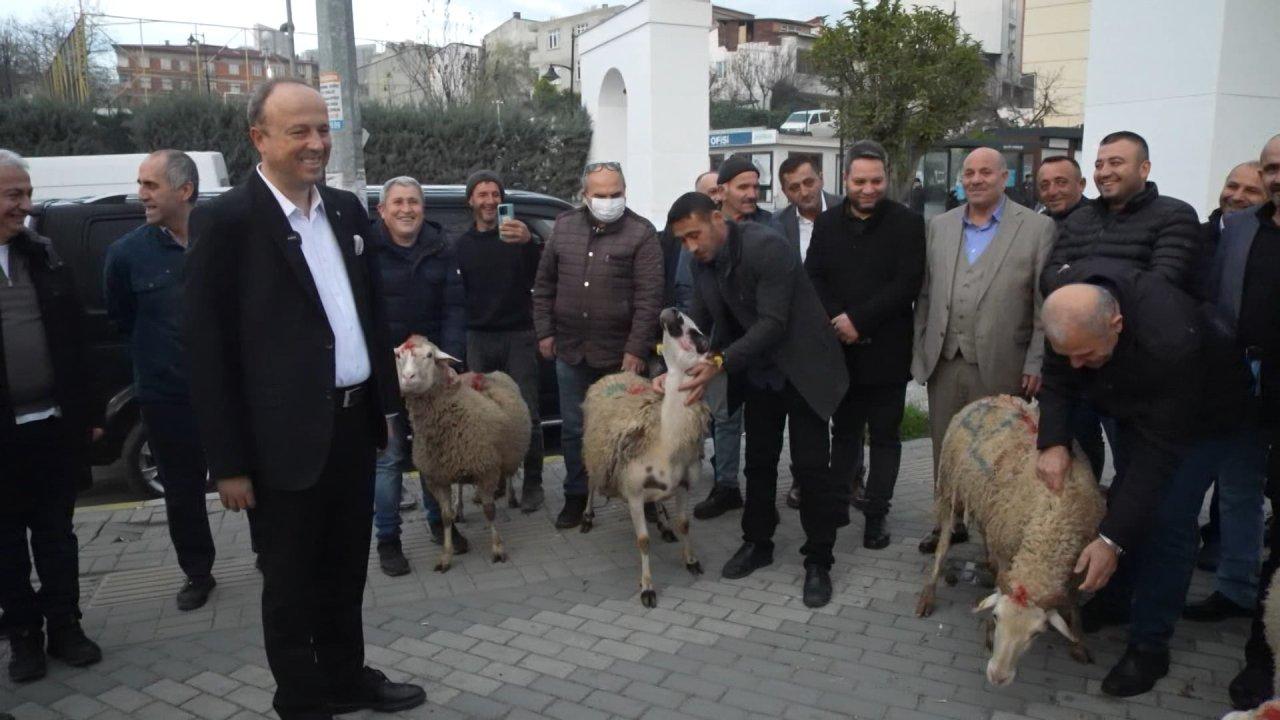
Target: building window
257,70
579,29
122,61
233,68
235,89
166,83
718,67
185,85
166,63
183,65
553,39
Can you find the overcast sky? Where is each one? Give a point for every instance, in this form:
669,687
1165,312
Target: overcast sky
431,21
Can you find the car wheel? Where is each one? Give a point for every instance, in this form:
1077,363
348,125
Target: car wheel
140,464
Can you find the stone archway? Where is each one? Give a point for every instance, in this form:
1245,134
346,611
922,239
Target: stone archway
610,138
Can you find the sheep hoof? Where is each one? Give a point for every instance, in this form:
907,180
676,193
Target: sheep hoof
442,567
924,607
951,578
1081,654
694,567
500,557
649,598
587,524
668,535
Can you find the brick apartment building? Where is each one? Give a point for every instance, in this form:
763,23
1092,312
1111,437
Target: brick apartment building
147,70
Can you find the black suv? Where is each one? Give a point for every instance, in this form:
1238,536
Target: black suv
82,230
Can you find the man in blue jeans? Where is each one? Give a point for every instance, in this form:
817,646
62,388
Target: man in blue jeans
416,280
596,301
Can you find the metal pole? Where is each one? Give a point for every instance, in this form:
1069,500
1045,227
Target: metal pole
573,57
288,13
338,85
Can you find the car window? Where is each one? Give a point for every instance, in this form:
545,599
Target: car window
798,117
99,233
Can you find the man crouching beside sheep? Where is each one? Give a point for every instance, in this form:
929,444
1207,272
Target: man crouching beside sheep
1148,357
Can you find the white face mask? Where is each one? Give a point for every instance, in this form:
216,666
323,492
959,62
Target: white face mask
607,210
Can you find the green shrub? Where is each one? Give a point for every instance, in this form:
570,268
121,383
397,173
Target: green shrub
915,423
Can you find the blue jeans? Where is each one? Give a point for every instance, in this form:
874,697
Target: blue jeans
386,484
726,433
574,380
1166,560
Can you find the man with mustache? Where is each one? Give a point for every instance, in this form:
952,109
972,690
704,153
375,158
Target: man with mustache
292,380
143,292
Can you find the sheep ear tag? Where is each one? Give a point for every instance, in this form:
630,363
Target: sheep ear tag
1060,624
988,602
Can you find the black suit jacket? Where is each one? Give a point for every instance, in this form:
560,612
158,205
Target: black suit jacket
763,312
261,348
788,218
64,328
871,270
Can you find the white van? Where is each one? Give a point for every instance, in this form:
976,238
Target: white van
817,123
68,177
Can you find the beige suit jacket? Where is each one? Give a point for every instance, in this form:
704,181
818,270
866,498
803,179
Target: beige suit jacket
1008,334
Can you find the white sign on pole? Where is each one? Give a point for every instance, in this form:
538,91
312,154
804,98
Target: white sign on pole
331,91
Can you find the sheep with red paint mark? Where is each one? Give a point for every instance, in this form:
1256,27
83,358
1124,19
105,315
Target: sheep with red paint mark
987,467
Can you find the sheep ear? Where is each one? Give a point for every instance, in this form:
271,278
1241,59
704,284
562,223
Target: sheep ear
1060,624
988,602
442,355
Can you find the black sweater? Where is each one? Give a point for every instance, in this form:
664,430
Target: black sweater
498,279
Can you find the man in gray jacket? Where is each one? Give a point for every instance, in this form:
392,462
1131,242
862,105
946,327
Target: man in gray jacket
596,301
771,335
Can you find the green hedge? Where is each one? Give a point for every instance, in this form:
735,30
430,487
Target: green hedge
535,147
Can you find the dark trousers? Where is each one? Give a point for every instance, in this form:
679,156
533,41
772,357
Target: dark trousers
1087,428
38,496
574,381
515,353
1257,653
879,408
175,442
314,547
824,502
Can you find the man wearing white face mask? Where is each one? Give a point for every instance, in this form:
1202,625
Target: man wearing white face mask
595,306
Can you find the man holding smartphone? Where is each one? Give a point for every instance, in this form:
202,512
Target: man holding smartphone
498,260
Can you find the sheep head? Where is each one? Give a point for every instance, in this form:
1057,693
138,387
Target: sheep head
421,366
1018,620
683,344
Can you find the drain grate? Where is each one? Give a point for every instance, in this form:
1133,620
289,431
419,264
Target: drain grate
158,583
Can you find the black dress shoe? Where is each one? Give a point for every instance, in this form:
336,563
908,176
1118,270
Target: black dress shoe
1100,612
749,558
571,515
874,535
531,498
959,534
26,655
793,497
375,692
391,558
1214,608
195,592
460,544
69,644
720,501
1136,673
1250,688
817,586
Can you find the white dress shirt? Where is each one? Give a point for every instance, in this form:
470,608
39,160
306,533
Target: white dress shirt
4,263
324,259
806,227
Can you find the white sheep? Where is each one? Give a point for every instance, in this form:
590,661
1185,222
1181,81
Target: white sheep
472,429
1269,710
643,446
1033,535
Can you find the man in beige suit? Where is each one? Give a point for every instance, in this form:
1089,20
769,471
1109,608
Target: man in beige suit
978,316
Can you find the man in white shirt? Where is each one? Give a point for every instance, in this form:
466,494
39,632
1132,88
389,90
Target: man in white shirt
802,184
292,379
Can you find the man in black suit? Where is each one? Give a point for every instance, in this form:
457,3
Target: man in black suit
772,337
867,263
802,185
290,378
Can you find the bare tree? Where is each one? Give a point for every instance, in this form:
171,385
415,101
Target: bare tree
756,69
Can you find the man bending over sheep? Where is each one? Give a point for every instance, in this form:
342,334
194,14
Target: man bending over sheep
1138,348
771,335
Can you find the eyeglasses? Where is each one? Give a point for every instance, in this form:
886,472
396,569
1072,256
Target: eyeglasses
597,166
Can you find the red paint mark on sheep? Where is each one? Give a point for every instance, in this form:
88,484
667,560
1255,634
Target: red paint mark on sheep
636,390
1270,711
1020,595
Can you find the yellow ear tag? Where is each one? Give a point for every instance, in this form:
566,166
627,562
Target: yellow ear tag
659,348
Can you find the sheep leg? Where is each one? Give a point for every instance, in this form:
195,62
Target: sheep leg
1079,652
444,498
589,515
459,504
682,527
648,596
490,512
947,511
664,522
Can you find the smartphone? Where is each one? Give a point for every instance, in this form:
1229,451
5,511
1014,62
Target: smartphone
506,211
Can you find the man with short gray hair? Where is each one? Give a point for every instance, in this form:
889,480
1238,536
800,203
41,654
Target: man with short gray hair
596,301
142,285
48,417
